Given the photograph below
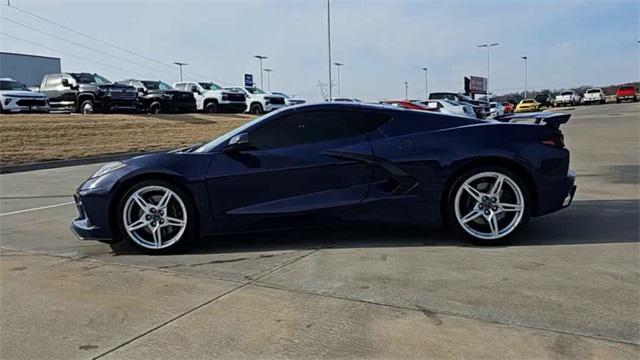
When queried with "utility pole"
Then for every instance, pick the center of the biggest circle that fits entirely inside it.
(339, 82)
(426, 84)
(329, 42)
(406, 90)
(268, 78)
(260, 58)
(488, 46)
(180, 65)
(525, 76)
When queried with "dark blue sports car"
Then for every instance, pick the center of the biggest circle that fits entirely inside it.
(336, 162)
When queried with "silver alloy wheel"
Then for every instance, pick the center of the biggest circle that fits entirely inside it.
(155, 217)
(489, 205)
(87, 108)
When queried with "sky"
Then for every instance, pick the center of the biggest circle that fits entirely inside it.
(382, 43)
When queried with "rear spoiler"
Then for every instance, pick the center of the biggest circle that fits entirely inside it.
(549, 118)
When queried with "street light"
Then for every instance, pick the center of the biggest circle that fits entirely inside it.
(488, 46)
(339, 82)
(426, 87)
(525, 76)
(406, 90)
(268, 78)
(260, 57)
(180, 64)
(329, 42)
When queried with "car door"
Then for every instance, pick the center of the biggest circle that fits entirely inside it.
(302, 167)
(53, 89)
(198, 93)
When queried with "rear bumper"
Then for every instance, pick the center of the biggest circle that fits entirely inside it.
(556, 195)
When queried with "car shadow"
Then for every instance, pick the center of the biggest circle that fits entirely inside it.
(585, 222)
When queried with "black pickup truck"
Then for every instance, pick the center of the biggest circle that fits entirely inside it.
(87, 93)
(157, 97)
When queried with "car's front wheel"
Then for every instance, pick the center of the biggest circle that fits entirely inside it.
(156, 217)
(489, 205)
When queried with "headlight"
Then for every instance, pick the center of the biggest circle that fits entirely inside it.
(107, 168)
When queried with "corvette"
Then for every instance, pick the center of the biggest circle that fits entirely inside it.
(331, 163)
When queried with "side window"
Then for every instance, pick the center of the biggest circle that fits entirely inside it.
(314, 126)
(180, 86)
(53, 80)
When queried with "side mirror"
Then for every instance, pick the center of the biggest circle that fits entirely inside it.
(142, 90)
(238, 142)
(195, 90)
(65, 83)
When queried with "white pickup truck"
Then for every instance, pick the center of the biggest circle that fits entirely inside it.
(258, 100)
(594, 95)
(568, 97)
(212, 98)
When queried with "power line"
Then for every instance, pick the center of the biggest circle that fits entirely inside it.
(82, 46)
(169, 66)
(68, 54)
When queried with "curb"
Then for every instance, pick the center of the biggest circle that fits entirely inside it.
(8, 169)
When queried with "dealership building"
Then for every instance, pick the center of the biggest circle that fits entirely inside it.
(27, 69)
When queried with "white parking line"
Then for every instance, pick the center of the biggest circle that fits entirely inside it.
(38, 208)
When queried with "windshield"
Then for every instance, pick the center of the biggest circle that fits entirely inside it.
(566, 93)
(528, 101)
(254, 90)
(223, 138)
(156, 85)
(626, 88)
(12, 85)
(281, 94)
(210, 86)
(85, 78)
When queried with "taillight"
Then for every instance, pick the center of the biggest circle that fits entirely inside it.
(556, 140)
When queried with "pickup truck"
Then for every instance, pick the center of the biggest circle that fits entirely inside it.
(626, 92)
(87, 93)
(592, 96)
(212, 98)
(258, 100)
(157, 97)
(569, 97)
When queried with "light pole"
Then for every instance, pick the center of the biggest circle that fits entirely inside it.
(488, 46)
(525, 76)
(329, 42)
(426, 84)
(406, 90)
(260, 57)
(339, 82)
(180, 65)
(268, 78)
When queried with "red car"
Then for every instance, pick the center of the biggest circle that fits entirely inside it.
(406, 104)
(508, 107)
(626, 92)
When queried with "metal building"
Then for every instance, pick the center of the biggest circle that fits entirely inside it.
(27, 69)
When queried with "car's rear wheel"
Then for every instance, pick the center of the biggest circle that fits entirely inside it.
(489, 205)
(156, 217)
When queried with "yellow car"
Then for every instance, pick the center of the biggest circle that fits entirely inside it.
(527, 105)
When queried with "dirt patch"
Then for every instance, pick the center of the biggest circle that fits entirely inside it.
(26, 138)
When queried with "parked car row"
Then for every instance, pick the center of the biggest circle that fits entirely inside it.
(87, 93)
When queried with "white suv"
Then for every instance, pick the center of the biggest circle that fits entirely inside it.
(258, 100)
(211, 98)
(15, 97)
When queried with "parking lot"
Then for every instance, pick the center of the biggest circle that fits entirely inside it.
(568, 288)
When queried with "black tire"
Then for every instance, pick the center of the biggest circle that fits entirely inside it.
(256, 109)
(618, 101)
(87, 107)
(452, 220)
(155, 108)
(190, 233)
(211, 107)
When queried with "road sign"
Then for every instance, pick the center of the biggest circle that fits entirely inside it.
(475, 85)
(248, 80)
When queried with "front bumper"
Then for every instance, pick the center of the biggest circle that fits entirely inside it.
(83, 227)
(271, 107)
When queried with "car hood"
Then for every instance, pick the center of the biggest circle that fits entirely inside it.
(22, 93)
